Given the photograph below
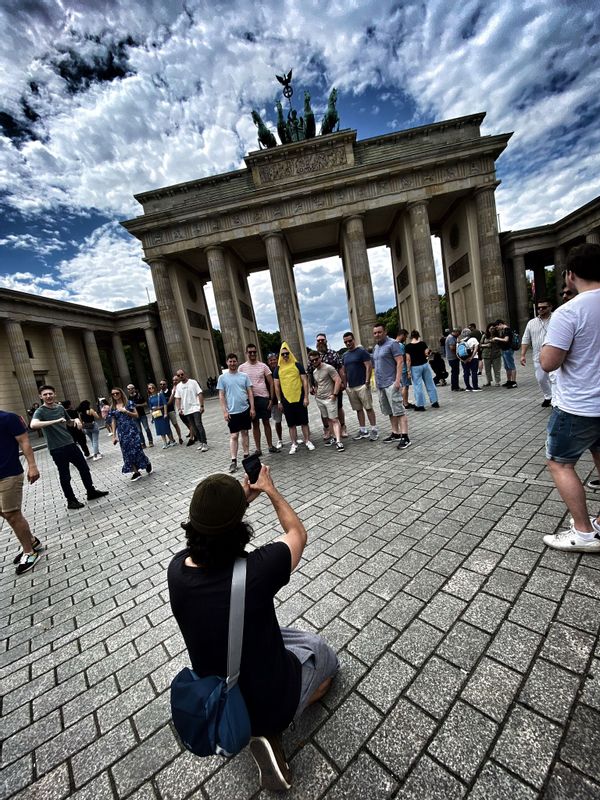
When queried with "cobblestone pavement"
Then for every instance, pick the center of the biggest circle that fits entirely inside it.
(471, 665)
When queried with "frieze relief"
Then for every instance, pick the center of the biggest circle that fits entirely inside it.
(303, 165)
(315, 201)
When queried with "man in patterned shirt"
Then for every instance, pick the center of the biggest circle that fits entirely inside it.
(333, 359)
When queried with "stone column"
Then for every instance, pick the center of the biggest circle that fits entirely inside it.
(169, 317)
(22, 363)
(357, 264)
(139, 366)
(95, 364)
(154, 353)
(593, 237)
(520, 283)
(123, 377)
(539, 279)
(63, 365)
(560, 258)
(284, 293)
(427, 291)
(225, 300)
(490, 258)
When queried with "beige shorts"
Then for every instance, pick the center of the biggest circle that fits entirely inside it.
(360, 398)
(11, 493)
(328, 409)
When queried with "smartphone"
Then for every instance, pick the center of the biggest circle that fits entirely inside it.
(252, 466)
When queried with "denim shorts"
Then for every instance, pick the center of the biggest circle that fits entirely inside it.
(569, 436)
(508, 357)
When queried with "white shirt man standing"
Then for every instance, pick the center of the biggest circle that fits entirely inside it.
(535, 335)
(190, 403)
(572, 348)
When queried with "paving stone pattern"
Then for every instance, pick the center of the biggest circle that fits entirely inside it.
(469, 651)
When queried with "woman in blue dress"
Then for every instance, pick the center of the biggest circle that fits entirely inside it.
(122, 415)
(158, 409)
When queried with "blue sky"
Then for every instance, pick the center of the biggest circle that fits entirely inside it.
(100, 102)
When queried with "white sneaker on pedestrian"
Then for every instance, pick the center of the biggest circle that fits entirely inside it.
(293, 448)
(574, 540)
(374, 435)
(279, 444)
(309, 445)
(204, 447)
(362, 434)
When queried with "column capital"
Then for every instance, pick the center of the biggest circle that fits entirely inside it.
(417, 203)
(487, 187)
(272, 235)
(350, 217)
(156, 261)
(218, 247)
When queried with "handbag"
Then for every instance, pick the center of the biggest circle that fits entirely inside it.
(210, 714)
(157, 413)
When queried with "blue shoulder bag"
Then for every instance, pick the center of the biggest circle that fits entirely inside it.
(210, 714)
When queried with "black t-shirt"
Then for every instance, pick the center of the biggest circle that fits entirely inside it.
(416, 351)
(270, 675)
(505, 345)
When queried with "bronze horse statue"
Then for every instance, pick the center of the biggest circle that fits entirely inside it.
(331, 116)
(265, 137)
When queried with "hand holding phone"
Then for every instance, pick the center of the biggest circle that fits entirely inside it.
(252, 466)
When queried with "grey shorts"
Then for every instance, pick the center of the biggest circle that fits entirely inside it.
(317, 658)
(390, 402)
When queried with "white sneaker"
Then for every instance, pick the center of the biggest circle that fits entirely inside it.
(279, 444)
(204, 447)
(574, 541)
(293, 448)
(374, 435)
(309, 445)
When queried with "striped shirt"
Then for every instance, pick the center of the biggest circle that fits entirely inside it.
(258, 374)
(535, 335)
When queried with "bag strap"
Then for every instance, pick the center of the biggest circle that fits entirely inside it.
(236, 622)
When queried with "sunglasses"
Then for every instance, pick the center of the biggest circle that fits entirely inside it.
(251, 352)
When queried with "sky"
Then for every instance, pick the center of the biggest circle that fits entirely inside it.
(100, 101)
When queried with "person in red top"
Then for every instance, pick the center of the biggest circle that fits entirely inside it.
(13, 434)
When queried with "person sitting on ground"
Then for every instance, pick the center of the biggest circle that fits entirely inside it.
(282, 670)
(438, 365)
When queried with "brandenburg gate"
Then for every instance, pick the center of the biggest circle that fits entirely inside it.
(329, 195)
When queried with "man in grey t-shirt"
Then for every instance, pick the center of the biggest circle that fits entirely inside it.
(52, 419)
(389, 362)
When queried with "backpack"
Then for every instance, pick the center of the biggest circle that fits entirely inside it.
(210, 714)
(516, 341)
(462, 351)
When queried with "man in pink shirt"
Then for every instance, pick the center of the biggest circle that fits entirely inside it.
(262, 387)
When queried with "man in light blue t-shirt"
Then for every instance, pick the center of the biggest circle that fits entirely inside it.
(237, 403)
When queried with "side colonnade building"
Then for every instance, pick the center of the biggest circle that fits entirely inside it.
(77, 349)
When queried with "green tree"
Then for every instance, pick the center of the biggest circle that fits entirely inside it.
(269, 343)
(389, 318)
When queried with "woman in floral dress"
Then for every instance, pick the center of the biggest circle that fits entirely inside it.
(122, 416)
